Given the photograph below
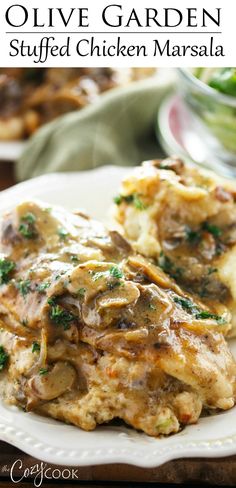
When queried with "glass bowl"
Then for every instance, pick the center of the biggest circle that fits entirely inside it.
(216, 113)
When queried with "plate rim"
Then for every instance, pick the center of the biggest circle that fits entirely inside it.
(218, 448)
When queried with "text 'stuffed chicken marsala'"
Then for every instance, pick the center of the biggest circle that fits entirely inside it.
(92, 331)
(185, 219)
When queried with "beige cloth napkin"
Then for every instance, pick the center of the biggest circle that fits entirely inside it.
(118, 129)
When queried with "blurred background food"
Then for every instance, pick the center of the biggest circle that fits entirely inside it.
(222, 79)
(219, 112)
(31, 97)
(71, 119)
(210, 96)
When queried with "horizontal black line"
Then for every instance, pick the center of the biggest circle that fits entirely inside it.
(117, 33)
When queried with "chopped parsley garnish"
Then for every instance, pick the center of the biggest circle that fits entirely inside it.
(204, 314)
(74, 259)
(35, 347)
(177, 273)
(211, 270)
(43, 286)
(185, 303)
(204, 292)
(27, 226)
(60, 316)
(151, 306)
(43, 371)
(63, 234)
(26, 231)
(212, 229)
(23, 287)
(195, 236)
(81, 292)
(3, 358)
(116, 272)
(123, 198)
(138, 203)
(6, 268)
(29, 217)
(118, 199)
(192, 236)
(134, 198)
(165, 263)
(199, 314)
(219, 248)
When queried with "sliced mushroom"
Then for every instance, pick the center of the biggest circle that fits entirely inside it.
(90, 277)
(175, 164)
(54, 383)
(120, 242)
(222, 194)
(57, 350)
(152, 272)
(119, 297)
(9, 234)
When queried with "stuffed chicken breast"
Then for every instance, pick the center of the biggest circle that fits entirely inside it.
(92, 331)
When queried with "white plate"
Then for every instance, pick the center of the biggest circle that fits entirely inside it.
(55, 442)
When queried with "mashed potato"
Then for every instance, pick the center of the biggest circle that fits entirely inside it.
(185, 219)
